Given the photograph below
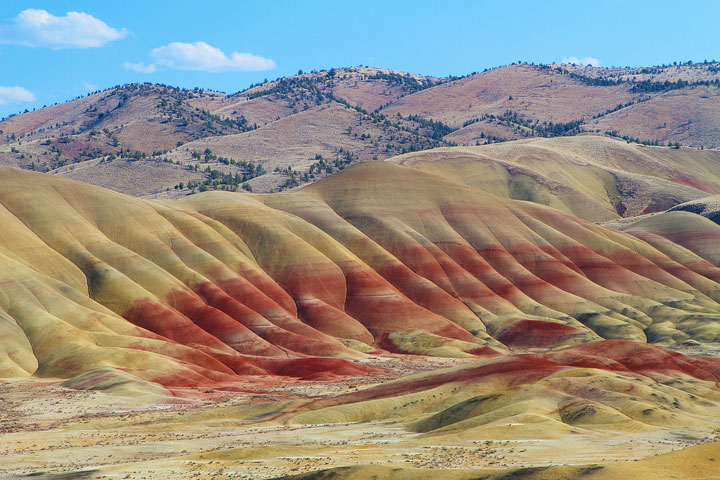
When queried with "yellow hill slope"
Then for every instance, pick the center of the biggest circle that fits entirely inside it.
(595, 178)
(382, 256)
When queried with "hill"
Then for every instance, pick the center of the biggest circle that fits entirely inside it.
(666, 104)
(416, 298)
(377, 257)
(309, 125)
(302, 331)
(594, 178)
(695, 462)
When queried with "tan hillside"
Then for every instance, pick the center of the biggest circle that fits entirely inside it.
(142, 178)
(518, 97)
(689, 117)
(330, 130)
(696, 463)
(595, 178)
(689, 72)
(142, 117)
(369, 88)
(537, 93)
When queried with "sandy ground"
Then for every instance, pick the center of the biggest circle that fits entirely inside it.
(46, 429)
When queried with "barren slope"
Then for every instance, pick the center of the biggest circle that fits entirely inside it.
(686, 116)
(379, 256)
(339, 134)
(555, 328)
(595, 178)
(526, 100)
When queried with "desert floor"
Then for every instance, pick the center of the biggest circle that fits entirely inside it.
(46, 430)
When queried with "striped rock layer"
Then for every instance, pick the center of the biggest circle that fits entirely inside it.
(379, 257)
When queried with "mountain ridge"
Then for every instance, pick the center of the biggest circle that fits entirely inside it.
(363, 114)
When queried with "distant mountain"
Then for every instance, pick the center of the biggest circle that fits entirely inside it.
(150, 140)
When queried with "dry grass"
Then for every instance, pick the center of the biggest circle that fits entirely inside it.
(148, 178)
(672, 73)
(536, 94)
(689, 117)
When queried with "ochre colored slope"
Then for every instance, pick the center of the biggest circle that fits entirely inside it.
(614, 384)
(380, 256)
(533, 92)
(595, 178)
(582, 392)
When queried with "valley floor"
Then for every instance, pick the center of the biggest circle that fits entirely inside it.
(48, 431)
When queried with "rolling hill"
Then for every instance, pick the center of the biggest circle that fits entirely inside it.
(405, 294)
(379, 256)
(559, 334)
(594, 178)
(304, 127)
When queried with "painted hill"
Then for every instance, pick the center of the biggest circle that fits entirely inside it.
(380, 256)
(595, 178)
(301, 128)
(288, 322)
(708, 207)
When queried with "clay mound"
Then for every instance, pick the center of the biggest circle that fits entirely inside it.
(595, 178)
(380, 256)
(538, 334)
(117, 382)
(610, 385)
(695, 232)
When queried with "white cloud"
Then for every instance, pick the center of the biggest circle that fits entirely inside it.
(139, 67)
(15, 95)
(203, 57)
(585, 61)
(91, 87)
(38, 28)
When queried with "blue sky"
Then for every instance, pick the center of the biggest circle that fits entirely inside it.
(48, 55)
